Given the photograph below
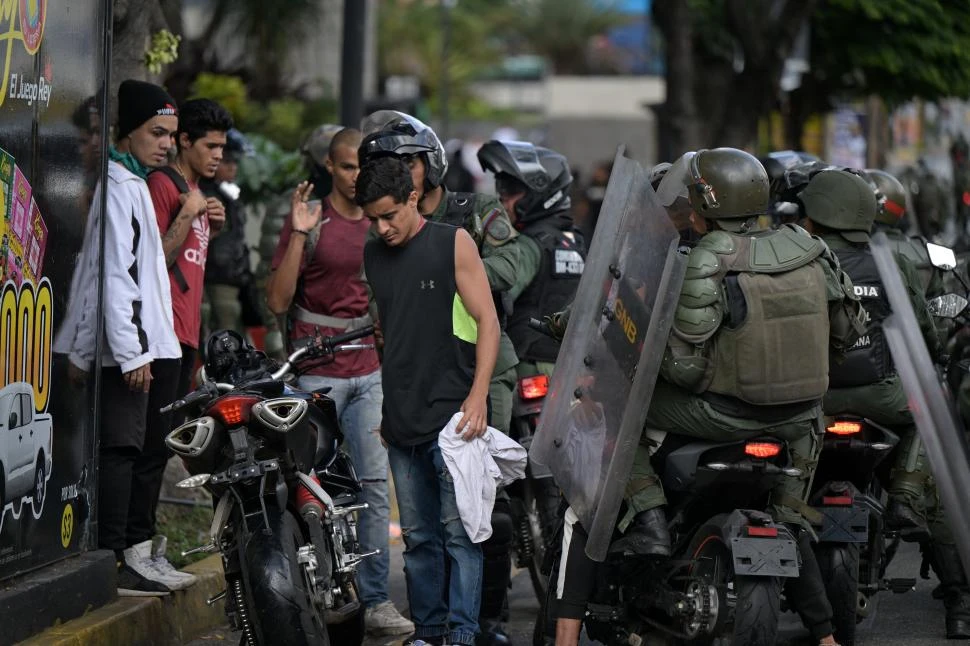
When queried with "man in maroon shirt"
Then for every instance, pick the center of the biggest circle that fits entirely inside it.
(321, 290)
(187, 219)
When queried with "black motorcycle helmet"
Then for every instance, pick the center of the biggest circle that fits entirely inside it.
(542, 174)
(388, 132)
(228, 357)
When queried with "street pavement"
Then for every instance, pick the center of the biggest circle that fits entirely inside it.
(910, 619)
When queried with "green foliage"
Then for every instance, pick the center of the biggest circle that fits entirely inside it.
(186, 527)
(897, 49)
(228, 91)
(164, 49)
(285, 121)
(269, 172)
(411, 41)
(561, 30)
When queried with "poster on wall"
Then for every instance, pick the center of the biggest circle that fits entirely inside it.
(51, 75)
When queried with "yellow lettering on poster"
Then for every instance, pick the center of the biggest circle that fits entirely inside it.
(26, 337)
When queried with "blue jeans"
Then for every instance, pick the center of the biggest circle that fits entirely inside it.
(432, 532)
(359, 401)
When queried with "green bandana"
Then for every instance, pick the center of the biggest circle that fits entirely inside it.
(128, 161)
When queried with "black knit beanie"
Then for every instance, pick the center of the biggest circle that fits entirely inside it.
(138, 102)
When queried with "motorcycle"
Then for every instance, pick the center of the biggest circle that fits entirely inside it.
(284, 493)
(854, 545)
(534, 500)
(728, 563)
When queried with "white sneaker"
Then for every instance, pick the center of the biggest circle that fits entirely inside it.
(384, 619)
(162, 564)
(139, 558)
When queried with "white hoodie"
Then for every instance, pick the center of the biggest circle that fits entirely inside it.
(478, 468)
(138, 325)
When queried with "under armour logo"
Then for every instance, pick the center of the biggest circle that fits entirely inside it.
(427, 284)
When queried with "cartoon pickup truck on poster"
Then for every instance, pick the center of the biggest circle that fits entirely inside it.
(25, 448)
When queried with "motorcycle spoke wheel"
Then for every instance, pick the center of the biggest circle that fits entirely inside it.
(748, 607)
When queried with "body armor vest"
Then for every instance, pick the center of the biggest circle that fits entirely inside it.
(752, 319)
(869, 360)
(560, 269)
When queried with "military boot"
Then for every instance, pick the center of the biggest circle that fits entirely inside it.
(904, 518)
(956, 592)
(647, 535)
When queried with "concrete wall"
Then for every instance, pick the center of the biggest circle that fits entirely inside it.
(586, 141)
(583, 117)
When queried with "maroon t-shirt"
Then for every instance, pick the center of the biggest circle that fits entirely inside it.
(330, 285)
(187, 296)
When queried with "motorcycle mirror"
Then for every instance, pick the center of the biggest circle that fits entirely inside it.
(942, 257)
(192, 482)
(947, 306)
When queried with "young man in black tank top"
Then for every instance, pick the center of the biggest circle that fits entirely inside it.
(441, 337)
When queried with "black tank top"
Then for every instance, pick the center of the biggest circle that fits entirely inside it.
(429, 338)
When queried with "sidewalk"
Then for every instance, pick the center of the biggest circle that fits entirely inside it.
(148, 621)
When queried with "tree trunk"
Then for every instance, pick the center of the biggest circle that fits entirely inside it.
(134, 23)
(709, 102)
(677, 126)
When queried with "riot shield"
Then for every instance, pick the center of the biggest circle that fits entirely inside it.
(939, 428)
(597, 404)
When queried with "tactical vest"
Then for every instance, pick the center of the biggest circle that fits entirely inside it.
(561, 267)
(913, 248)
(869, 360)
(460, 212)
(752, 319)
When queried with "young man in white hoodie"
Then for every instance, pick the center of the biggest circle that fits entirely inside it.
(140, 344)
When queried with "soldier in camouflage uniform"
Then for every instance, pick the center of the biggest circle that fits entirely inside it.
(394, 133)
(838, 208)
(867, 383)
(889, 219)
(778, 293)
(533, 184)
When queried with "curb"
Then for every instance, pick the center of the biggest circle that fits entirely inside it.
(154, 621)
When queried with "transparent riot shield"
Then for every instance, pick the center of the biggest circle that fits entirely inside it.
(939, 428)
(593, 417)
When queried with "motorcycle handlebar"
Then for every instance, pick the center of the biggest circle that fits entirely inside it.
(327, 345)
(205, 391)
(353, 335)
(543, 327)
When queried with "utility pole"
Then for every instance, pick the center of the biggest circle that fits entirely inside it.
(352, 63)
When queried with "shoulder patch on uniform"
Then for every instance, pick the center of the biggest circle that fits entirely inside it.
(495, 226)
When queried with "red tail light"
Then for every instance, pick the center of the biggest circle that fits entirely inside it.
(764, 532)
(837, 501)
(845, 428)
(233, 410)
(762, 449)
(534, 387)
